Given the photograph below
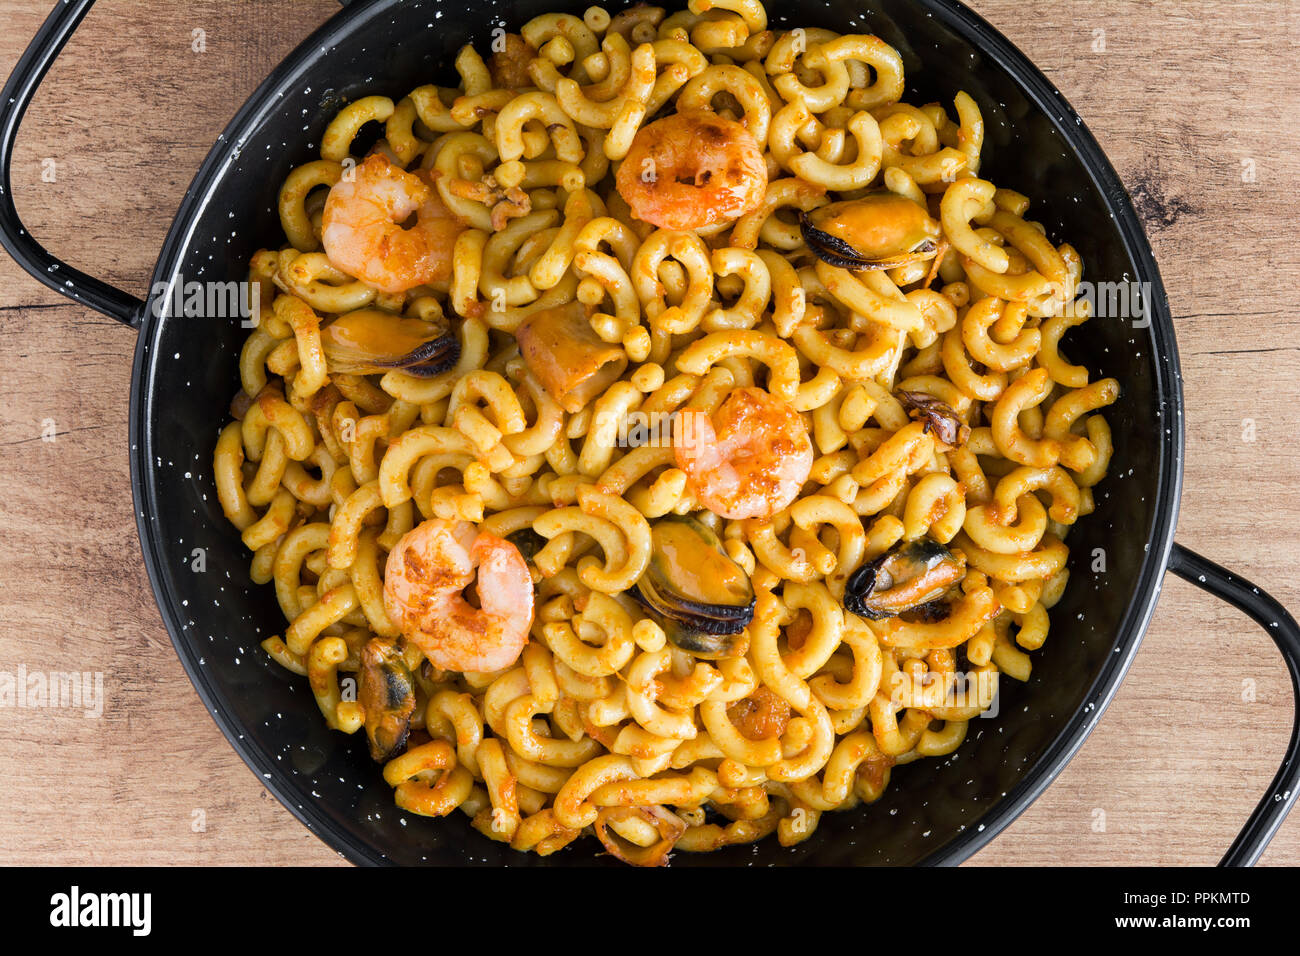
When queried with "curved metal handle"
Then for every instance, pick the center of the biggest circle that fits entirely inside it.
(26, 251)
(1281, 626)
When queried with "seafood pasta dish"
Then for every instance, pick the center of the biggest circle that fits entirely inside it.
(662, 435)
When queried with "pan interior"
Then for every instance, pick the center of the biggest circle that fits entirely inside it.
(934, 809)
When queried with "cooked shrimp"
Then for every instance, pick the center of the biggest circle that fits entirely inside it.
(692, 169)
(424, 581)
(749, 460)
(363, 230)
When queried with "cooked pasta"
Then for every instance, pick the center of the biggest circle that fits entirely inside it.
(662, 434)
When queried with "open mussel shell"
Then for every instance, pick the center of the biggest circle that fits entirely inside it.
(911, 576)
(371, 342)
(700, 597)
(881, 230)
(386, 692)
(939, 417)
(710, 640)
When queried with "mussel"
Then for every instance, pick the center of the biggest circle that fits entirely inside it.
(939, 417)
(370, 342)
(700, 597)
(573, 364)
(881, 230)
(386, 691)
(910, 577)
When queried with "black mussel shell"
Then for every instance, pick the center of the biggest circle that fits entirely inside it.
(371, 342)
(837, 252)
(705, 623)
(939, 417)
(901, 564)
(703, 637)
(386, 692)
(432, 358)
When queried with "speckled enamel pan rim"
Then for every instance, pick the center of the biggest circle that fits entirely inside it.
(300, 66)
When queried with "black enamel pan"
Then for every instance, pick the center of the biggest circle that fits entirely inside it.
(935, 812)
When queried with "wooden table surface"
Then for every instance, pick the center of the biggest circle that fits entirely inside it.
(1194, 103)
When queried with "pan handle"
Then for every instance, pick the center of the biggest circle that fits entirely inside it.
(1281, 626)
(26, 251)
